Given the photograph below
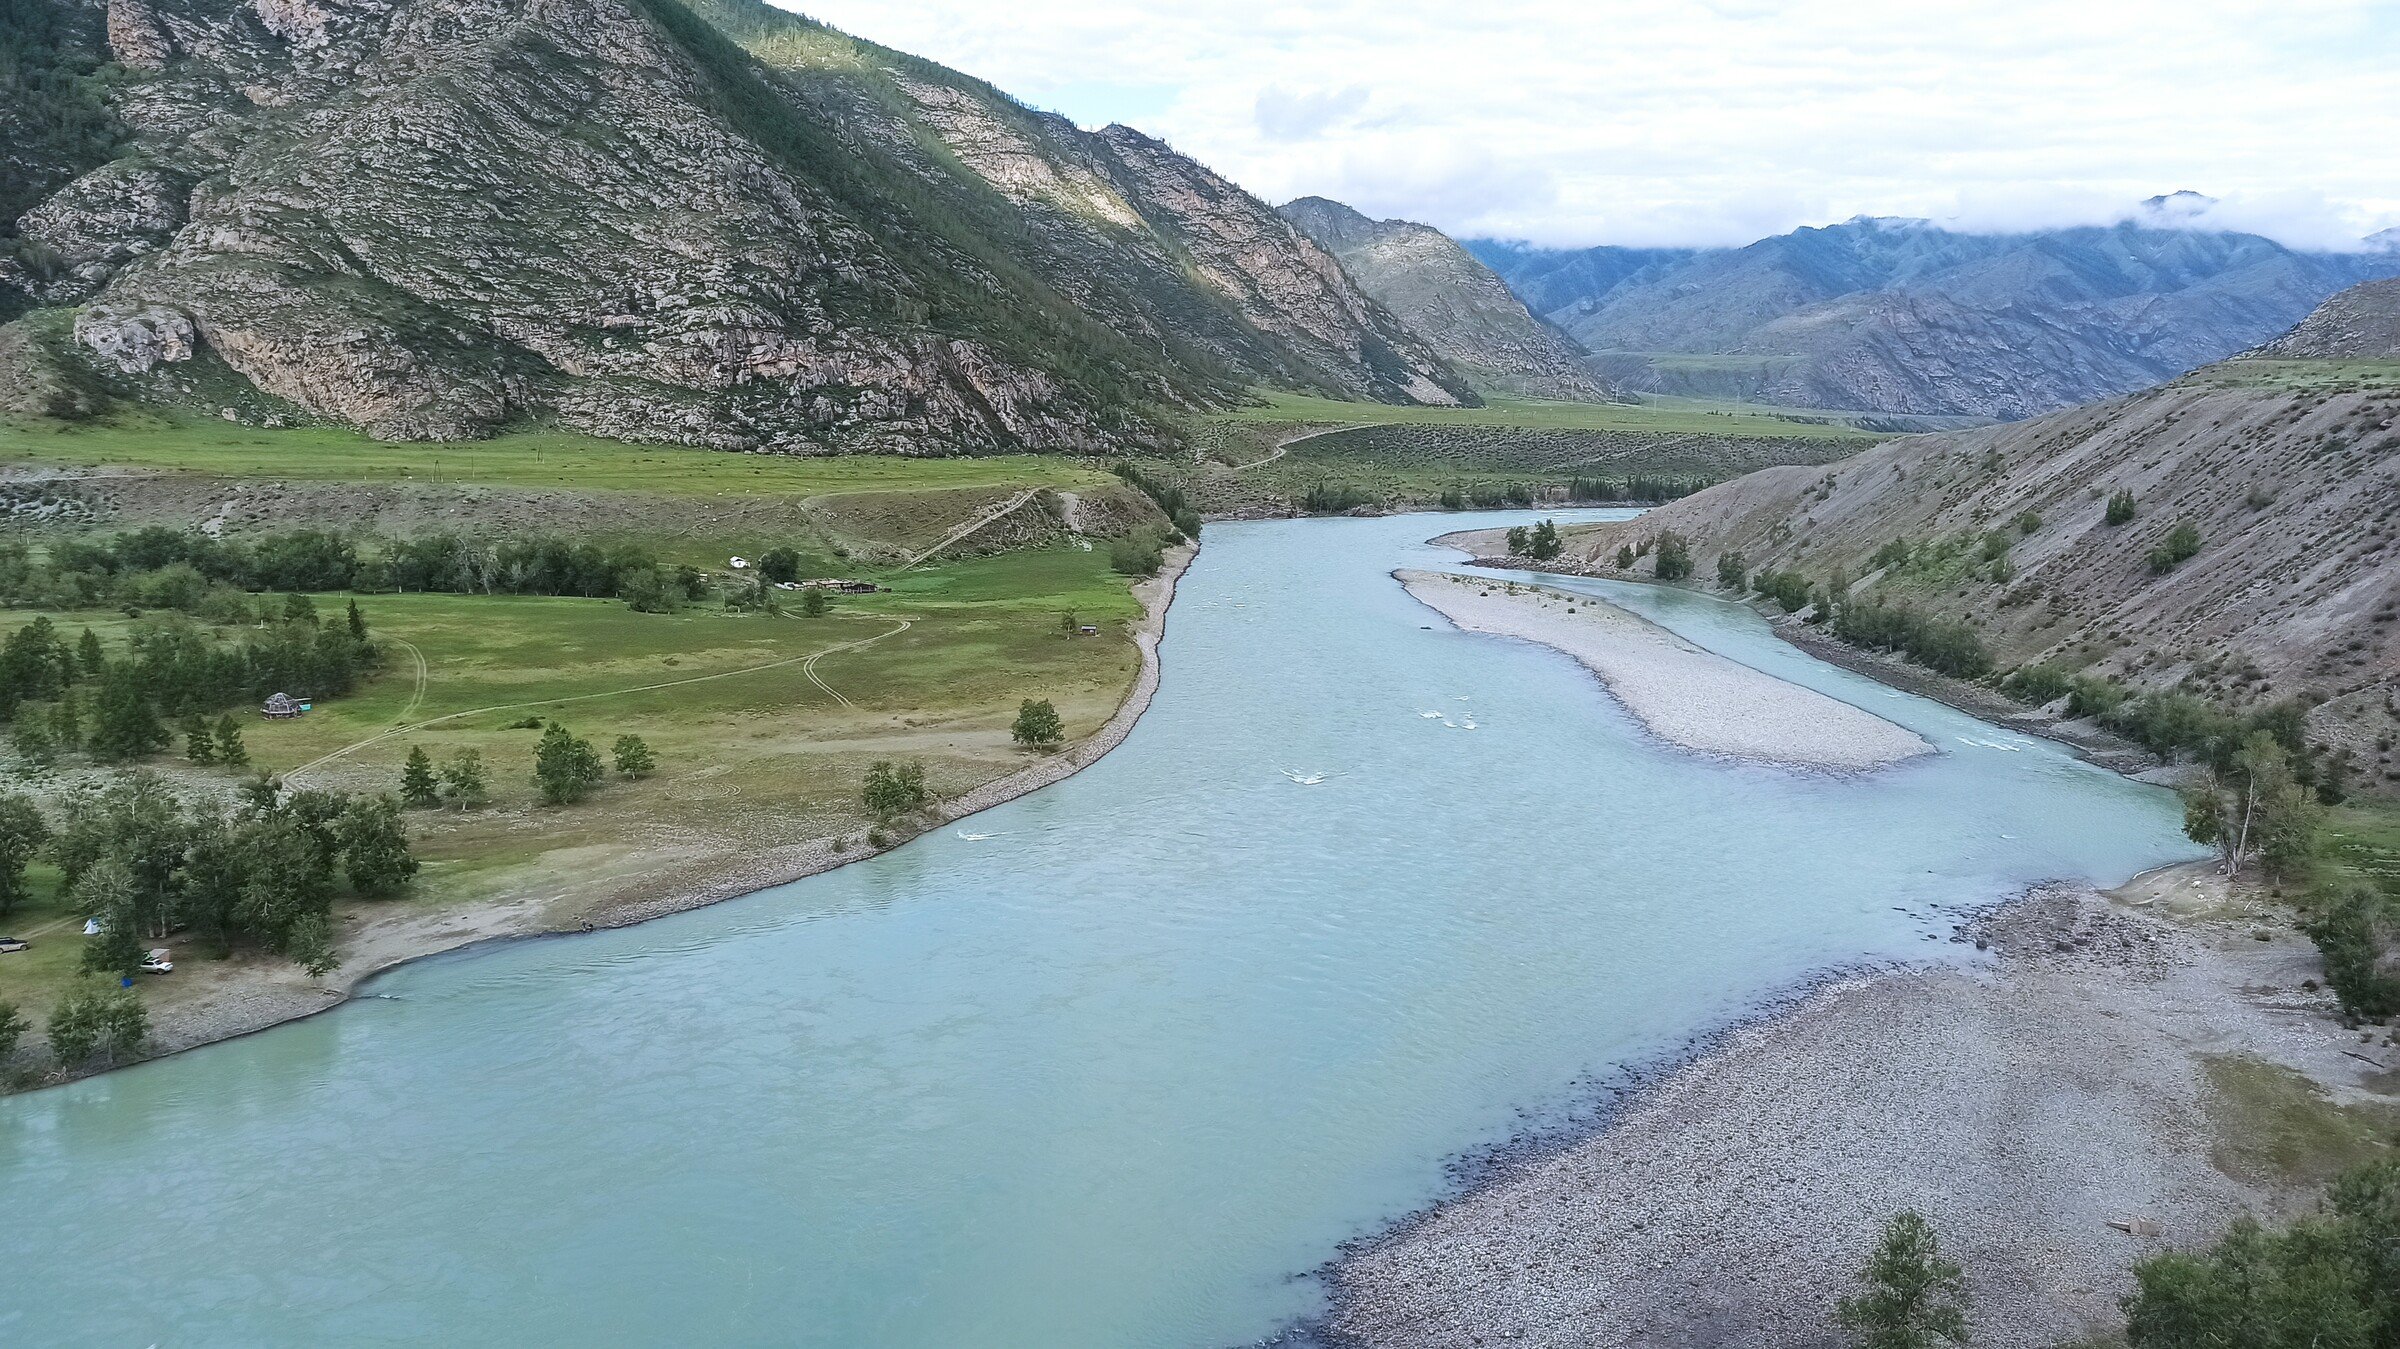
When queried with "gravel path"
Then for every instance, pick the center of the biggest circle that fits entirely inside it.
(2022, 1105)
(1683, 694)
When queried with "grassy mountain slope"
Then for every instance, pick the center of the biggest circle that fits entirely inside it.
(1905, 317)
(2289, 477)
(435, 218)
(1463, 310)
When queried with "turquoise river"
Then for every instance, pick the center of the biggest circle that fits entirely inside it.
(1120, 1070)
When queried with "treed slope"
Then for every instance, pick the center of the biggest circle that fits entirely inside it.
(1906, 317)
(56, 124)
(1460, 307)
(432, 218)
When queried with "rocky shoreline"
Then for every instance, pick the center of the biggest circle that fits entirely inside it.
(2033, 1104)
(258, 993)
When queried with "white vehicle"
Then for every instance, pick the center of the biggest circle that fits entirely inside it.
(157, 962)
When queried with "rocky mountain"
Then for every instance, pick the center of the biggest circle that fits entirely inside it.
(433, 218)
(2361, 324)
(2289, 479)
(1906, 317)
(1459, 306)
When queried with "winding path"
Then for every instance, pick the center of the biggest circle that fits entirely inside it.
(807, 662)
(972, 525)
(1284, 445)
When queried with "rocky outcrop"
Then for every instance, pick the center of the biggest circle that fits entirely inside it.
(2360, 324)
(431, 218)
(1458, 306)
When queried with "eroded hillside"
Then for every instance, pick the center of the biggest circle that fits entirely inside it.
(2235, 533)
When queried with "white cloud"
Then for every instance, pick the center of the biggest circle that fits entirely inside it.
(1605, 121)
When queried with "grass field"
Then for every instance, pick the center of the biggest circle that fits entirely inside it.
(757, 744)
(1684, 417)
(539, 459)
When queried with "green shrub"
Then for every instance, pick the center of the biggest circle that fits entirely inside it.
(2120, 508)
(1789, 589)
(2181, 542)
(2352, 934)
(1949, 647)
(1674, 561)
(2037, 684)
(1135, 555)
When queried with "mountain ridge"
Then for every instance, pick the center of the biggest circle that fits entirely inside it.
(1441, 291)
(1912, 317)
(435, 218)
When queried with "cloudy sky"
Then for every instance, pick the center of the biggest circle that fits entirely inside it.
(1596, 121)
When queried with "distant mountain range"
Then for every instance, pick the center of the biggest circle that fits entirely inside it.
(1902, 316)
(722, 224)
(1460, 307)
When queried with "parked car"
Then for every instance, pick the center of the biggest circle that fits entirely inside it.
(157, 962)
(8, 944)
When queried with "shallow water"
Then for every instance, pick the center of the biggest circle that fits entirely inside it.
(1119, 1075)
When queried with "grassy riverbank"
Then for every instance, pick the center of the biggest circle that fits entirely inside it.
(763, 720)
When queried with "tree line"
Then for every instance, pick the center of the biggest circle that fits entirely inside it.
(2330, 1280)
(161, 568)
(60, 697)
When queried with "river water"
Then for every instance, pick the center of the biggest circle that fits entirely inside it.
(1120, 1074)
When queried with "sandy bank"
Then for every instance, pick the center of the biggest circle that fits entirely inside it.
(2023, 1107)
(253, 993)
(1683, 694)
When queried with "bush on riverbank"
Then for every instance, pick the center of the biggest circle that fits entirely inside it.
(1942, 645)
(2328, 1279)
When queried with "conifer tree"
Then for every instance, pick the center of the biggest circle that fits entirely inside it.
(231, 752)
(463, 779)
(124, 726)
(417, 787)
(199, 745)
(88, 655)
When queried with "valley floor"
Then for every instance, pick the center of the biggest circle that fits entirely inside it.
(687, 841)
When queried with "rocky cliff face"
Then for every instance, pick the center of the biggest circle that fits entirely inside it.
(1905, 317)
(430, 218)
(2291, 478)
(1461, 308)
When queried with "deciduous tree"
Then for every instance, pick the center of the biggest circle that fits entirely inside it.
(632, 758)
(1915, 1299)
(22, 834)
(1037, 724)
(565, 767)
